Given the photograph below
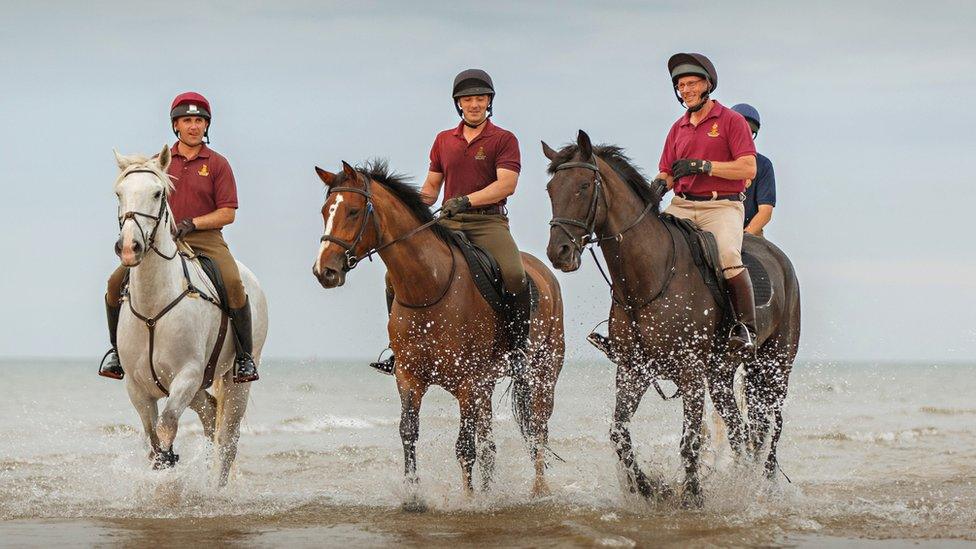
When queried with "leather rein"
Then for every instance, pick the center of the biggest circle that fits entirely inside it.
(162, 218)
(351, 259)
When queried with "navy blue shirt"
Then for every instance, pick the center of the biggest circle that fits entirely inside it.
(762, 190)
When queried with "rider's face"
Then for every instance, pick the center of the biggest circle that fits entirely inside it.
(191, 129)
(691, 89)
(474, 108)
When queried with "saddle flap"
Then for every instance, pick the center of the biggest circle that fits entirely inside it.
(209, 267)
(487, 275)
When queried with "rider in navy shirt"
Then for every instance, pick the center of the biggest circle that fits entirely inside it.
(761, 192)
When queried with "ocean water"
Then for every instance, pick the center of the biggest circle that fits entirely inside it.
(875, 453)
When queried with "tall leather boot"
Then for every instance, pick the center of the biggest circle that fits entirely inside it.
(742, 338)
(386, 366)
(110, 366)
(520, 313)
(244, 368)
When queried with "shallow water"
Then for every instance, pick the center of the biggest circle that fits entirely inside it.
(874, 452)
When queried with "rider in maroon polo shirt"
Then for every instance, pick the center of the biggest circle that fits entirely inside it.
(708, 156)
(204, 201)
(477, 164)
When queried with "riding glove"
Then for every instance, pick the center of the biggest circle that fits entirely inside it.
(659, 186)
(184, 228)
(690, 166)
(455, 206)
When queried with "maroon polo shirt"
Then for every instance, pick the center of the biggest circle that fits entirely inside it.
(470, 167)
(201, 185)
(723, 136)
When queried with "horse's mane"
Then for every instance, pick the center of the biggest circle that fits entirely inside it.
(621, 163)
(397, 184)
(142, 162)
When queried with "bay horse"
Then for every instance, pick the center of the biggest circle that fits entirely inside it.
(664, 321)
(170, 325)
(442, 331)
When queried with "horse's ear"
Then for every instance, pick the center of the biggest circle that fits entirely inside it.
(122, 160)
(585, 146)
(164, 158)
(349, 170)
(327, 177)
(548, 151)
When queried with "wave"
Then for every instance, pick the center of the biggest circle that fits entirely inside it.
(882, 437)
(947, 411)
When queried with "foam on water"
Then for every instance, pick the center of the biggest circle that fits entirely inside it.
(875, 451)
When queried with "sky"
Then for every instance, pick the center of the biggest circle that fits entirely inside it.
(864, 108)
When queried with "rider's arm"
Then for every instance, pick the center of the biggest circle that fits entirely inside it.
(432, 187)
(743, 167)
(501, 188)
(215, 219)
(760, 220)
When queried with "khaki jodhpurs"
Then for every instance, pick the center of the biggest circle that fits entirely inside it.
(209, 243)
(724, 219)
(491, 232)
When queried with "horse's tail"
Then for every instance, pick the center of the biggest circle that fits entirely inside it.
(521, 389)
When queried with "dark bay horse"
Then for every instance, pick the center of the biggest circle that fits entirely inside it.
(442, 331)
(664, 321)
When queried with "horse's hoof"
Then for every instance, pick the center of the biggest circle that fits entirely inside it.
(165, 459)
(692, 497)
(541, 490)
(415, 505)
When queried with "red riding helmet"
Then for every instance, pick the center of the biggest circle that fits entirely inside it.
(191, 104)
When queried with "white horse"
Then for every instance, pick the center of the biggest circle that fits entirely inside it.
(186, 334)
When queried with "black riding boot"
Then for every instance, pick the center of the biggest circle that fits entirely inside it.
(386, 366)
(244, 368)
(110, 366)
(519, 317)
(743, 335)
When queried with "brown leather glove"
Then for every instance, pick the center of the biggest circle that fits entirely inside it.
(183, 228)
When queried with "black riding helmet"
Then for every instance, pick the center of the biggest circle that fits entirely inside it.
(473, 82)
(687, 64)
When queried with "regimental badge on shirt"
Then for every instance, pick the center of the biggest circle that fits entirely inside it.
(481, 154)
(714, 131)
(204, 171)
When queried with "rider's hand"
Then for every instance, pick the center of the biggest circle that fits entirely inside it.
(659, 186)
(184, 228)
(455, 206)
(690, 166)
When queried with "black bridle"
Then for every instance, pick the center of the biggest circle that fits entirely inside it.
(351, 259)
(588, 225)
(161, 218)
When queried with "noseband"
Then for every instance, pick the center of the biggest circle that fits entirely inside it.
(351, 259)
(161, 217)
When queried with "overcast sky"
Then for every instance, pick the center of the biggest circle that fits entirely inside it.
(865, 116)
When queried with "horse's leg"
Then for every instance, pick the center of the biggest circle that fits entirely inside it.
(205, 405)
(184, 387)
(545, 366)
(464, 447)
(411, 394)
(149, 414)
(631, 387)
(485, 441)
(720, 386)
(693, 401)
(233, 404)
(758, 427)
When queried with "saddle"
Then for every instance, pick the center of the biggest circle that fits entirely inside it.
(487, 275)
(704, 250)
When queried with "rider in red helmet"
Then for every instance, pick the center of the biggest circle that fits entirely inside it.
(708, 156)
(203, 202)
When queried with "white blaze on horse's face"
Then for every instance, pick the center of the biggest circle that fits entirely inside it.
(137, 192)
(328, 232)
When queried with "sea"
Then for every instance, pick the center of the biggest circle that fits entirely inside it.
(872, 455)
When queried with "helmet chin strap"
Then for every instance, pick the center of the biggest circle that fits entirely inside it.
(698, 107)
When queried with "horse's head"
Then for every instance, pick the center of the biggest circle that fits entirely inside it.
(348, 215)
(577, 207)
(142, 187)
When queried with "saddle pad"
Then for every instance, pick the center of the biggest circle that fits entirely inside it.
(209, 267)
(762, 287)
(487, 275)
